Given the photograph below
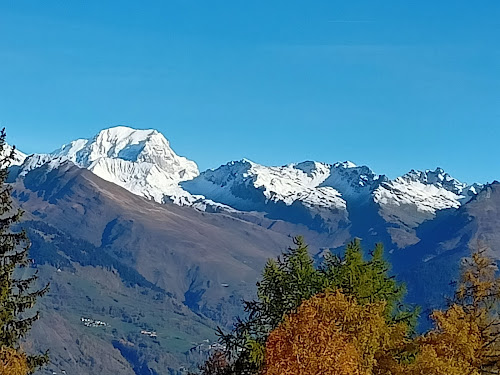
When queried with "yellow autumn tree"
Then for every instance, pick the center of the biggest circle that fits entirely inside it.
(332, 334)
(452, 348)
(12, 362)
(466, 337)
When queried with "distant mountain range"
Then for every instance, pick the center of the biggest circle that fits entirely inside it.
(120, 222)
(315, 194)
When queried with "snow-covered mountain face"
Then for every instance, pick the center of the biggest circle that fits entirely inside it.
(290, 193)
(354, 182)
(315, 194)
(409, 200)
(146, 147)
(429, 191)
(242, 184)
(19, 157)
(245, 185)
(321, 189)
(140, 161)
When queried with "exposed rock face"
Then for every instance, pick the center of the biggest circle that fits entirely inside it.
(408, 201)
(430, 266)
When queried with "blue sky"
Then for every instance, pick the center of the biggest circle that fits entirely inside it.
(392, 84)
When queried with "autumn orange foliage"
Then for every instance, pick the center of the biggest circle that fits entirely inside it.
(452, 348)
(12, 362)
(466, 337)
(332, 334)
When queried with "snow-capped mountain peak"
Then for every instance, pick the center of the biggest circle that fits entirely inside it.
(428, 191)
(141, 161)
(354, 182)
(436, 177)
(245, 185)
(132, 145)
(19, 157)
(346, 164)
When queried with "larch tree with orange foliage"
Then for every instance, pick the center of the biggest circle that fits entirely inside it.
(466, 337)
(332, 334)
(12, 362)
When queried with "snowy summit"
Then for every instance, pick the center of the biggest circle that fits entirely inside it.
(140, 161)
(143, 162)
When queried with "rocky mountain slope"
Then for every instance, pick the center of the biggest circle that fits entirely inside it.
(131, 234)
(431, 264)
(109, 253)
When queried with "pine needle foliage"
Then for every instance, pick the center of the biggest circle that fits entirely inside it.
(17, 294)
(369, 281)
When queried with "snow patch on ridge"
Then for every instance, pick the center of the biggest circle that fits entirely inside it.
(37, 160)
(352, 181)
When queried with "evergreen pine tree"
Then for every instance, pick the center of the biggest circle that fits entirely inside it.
(17, 294)
(369, 281)
(288, 281)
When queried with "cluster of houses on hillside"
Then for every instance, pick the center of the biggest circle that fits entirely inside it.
(92, 322)
(87, 322)
(148, 333)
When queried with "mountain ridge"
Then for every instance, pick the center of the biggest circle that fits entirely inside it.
(321, 196)
(143, 162)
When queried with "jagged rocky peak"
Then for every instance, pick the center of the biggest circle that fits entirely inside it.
(244, 183)
(436, 177)
(228, 172)
(270, 178)
(353, 181)
(316, 171)
(310, 182)
(442, 179)
(429, 191)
